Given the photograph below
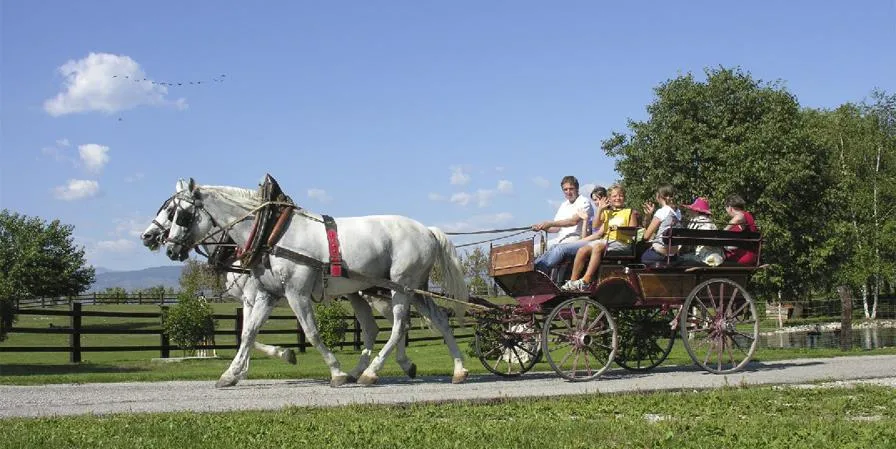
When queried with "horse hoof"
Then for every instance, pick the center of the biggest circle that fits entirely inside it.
(290, 356)
(367, 379)
(412, 371)
(224, 383)
(338, 381)
(459, 378)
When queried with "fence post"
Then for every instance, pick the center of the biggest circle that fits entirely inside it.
(301, 337)
(356, 333)
(165, 343)
(74, 338)
(238, 327)
(845, 317)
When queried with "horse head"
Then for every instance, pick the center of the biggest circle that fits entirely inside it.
(188, 225)
(157, 231)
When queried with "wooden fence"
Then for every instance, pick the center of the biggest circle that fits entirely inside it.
(95, 299)
(75, 330)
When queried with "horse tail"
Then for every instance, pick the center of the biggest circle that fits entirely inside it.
(453, 281)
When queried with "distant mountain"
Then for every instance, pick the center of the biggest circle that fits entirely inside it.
(169, 276)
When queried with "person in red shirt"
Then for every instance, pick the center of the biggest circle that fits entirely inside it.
(741, 221)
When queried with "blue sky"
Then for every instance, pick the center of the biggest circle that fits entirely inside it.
(463, 114)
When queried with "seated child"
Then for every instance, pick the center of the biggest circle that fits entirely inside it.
(701, 218)
(666, 217)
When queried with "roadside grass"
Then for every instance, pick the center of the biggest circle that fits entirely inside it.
(767, 417)
(431, 358)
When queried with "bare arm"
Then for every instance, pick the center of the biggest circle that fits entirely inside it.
(737, 219)
(555, 225)
(651, 229)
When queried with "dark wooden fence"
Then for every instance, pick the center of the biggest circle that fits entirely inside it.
(97, 298)
(75, 330)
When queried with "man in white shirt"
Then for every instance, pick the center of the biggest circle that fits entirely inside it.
(567, 224)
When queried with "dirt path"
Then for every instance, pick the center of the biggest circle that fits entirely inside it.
(201, 396)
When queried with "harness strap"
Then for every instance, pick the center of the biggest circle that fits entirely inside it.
(333, 246)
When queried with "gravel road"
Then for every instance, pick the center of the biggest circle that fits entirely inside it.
(201, 396)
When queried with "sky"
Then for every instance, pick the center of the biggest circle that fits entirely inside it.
(463, 115)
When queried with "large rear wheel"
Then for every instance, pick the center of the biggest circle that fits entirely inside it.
(645, 338)
(720, 326)
(579, 339)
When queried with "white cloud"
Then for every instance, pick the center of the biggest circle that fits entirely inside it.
(77, 189)
(499, 169)
(478, 222)
(541, 182)
(484, 196)
(435, 197)
(319, 194)
(134, 178)
(115, 246)
(462, 198)
(458, 177)
(58, 150)
(107, 83)
(94, 156)
(505, 186)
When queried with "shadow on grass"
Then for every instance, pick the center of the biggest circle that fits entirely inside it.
(42, 369)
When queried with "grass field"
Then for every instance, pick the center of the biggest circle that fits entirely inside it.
(767, 417)
(432, 358)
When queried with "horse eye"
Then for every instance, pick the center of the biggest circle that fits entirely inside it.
(182, 220)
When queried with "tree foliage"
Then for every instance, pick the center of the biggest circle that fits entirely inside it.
(331, 325)
(475, 265)
(37, 259)
(734, 134)
(189, 322)
(199, 276)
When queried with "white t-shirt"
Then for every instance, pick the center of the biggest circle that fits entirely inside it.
(669, 218)
(567, 210)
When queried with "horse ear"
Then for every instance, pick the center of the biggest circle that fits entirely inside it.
(192, 184)
(181, 185)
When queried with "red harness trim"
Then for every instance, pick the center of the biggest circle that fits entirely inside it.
(335, 258)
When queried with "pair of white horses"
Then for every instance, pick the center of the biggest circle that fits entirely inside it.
(392, 248)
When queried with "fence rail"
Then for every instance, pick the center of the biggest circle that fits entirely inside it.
(76, 329)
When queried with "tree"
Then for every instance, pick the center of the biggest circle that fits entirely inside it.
(861, 143)
(475, 265)
(37, 259)
(199, 276)
(734, 134)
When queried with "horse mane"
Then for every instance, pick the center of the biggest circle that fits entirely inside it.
(247, 198)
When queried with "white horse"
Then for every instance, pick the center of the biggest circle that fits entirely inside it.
(246, 287)
(389, 248)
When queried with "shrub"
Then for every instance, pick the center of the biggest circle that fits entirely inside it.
(189, 322)
(331, 325)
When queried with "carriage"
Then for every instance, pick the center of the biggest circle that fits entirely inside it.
(631, 316)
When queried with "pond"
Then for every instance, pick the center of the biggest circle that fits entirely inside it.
(869, 338)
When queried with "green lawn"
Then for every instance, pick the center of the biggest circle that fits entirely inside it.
(766, 417)
(432, 358)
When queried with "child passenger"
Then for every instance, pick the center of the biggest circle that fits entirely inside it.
(666, 217)
(701, 218)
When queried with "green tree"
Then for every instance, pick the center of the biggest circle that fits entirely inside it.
(861, 142)
(734, 134)
(112, 294)
(37, 259)
(475, 265)
(200, 276)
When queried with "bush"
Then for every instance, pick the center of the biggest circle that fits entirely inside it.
(189, 322)
(331, 325)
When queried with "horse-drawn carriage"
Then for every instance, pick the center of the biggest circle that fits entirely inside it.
(631, 315)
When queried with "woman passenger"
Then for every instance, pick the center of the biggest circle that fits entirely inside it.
(741, 221)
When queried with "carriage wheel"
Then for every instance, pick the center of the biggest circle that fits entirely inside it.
(505, 348)
(645, 338)
(579, 339)
(719, 326)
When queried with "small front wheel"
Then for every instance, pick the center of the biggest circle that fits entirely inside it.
(507, 347)
(579, 339)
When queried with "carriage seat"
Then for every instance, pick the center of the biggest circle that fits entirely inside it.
(748, 240)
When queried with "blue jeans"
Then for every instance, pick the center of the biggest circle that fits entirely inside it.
(651, 256)
(557, 254)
